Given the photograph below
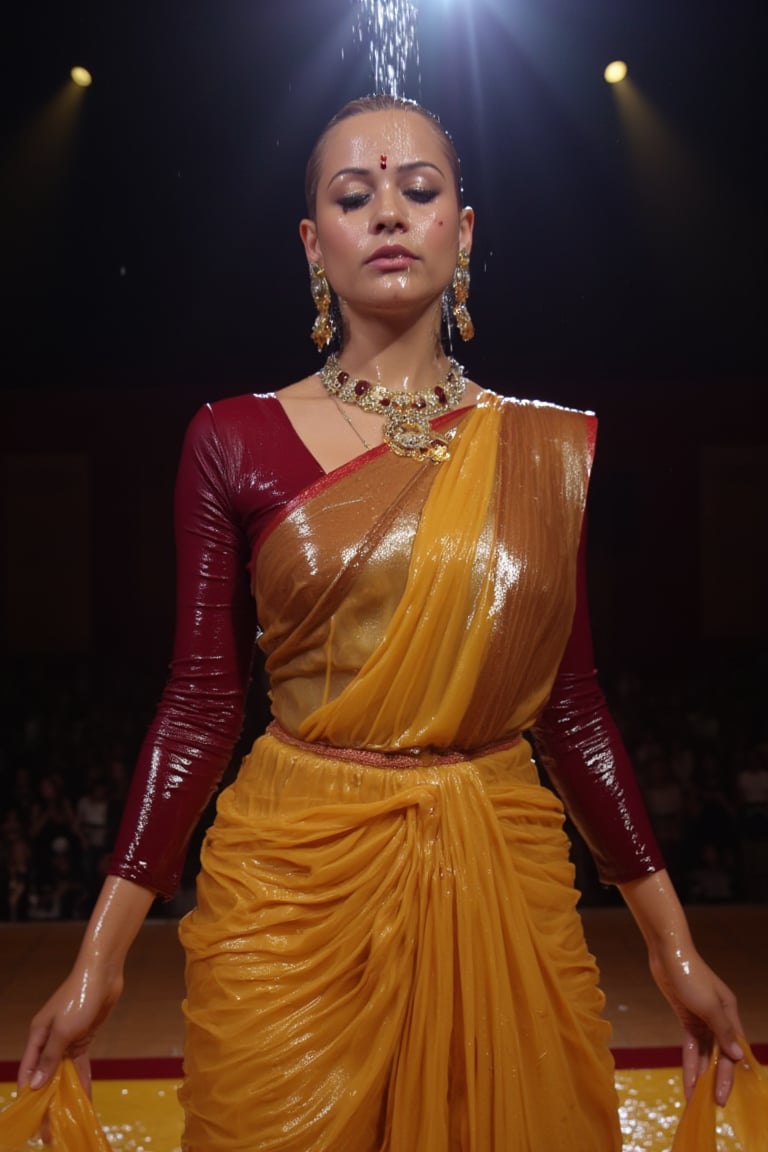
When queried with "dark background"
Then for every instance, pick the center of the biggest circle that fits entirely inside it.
(150, 262)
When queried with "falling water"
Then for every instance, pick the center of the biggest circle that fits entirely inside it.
(388, 28)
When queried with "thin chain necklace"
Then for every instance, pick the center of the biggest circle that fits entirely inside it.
(406, 415)
(356, 431)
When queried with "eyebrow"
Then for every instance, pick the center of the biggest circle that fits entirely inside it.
(400, 168)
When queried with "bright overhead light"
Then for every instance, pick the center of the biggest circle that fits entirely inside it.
(81, 77)
(615, 72)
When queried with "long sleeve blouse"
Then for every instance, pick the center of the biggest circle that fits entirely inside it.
(240, 463)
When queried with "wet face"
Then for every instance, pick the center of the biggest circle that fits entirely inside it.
(388, 225)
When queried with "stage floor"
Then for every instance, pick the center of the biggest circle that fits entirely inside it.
(144, 1115)
(141, 1043)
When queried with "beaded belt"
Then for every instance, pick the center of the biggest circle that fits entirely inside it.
(415, 758)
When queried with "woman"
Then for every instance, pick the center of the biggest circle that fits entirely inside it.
(385, 952)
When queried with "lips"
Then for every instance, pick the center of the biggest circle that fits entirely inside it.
(390, 254)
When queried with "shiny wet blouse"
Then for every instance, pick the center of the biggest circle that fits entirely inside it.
(242, 462)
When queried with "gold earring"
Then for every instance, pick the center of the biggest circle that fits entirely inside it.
(460, 287)
(323, 329)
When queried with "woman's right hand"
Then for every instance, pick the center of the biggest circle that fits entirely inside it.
(66, 1023)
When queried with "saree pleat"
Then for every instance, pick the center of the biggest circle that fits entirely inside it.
(389, 959)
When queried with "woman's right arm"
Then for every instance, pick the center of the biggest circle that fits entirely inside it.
(190, 741)
(186, 750)
(66, 1023)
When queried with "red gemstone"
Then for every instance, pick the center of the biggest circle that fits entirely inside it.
(342, 378)
(420, 403)
(385, 401)
(362, 387)
(440, 393)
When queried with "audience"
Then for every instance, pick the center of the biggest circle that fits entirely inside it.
(65, 770)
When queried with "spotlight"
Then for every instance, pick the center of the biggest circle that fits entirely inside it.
(615, 72)
(81, 77)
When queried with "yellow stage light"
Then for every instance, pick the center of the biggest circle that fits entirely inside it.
(81, 77)
(615, 72)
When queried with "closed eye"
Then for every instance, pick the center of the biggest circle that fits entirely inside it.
(352, 200)
(421, 195)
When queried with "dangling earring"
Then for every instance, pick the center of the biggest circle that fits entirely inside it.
(460, 289)
(323, 329)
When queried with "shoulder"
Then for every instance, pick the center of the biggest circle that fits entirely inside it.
(229, 428)
(513, 404)
(250, 415)
(223, 419)
(543, 418)
(227, 436)
(308, 388)
(244, 450)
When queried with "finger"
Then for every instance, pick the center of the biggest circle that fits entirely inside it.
(727, 1028)
(694, 1063)
(729, 1037)
(730, 1046)
(723, 1079)
(49, 1059)
(38, 1038)
(83, 1065)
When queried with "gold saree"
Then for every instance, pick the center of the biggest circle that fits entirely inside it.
(386, 955)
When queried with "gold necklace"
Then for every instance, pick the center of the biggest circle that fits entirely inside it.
(406, 414)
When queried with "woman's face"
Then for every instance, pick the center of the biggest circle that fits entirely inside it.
(388, 225)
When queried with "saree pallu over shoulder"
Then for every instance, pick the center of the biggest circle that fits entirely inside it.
(438, 608)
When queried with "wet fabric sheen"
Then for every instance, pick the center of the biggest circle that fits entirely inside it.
(380, 636)
(74, 1126)
(389, 959)
(243, 472)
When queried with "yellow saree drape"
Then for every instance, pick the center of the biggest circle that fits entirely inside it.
(386, 954)
(73, 1124)
(744, 1118)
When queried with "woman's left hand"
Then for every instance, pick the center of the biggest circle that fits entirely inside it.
(705, 1006)
(707, 1010)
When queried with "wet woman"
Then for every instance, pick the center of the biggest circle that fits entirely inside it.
(385, 952)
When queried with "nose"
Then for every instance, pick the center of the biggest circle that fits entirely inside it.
(390, 214)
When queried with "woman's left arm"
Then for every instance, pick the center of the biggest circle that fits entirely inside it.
(705, 1005)
(585, 756)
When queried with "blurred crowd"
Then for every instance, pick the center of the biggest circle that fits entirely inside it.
(67, 753)
(701, 759)
(65, 767)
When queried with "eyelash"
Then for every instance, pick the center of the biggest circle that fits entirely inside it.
(354, 200)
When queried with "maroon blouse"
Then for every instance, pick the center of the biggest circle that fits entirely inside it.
(241, 462)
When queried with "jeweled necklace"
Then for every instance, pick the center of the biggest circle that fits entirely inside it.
(406, 414)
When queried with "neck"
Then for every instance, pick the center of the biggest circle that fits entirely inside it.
(399, 357)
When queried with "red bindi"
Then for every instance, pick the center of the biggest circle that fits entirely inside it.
(382, 162)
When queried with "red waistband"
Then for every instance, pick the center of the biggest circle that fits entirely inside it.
(412, 758)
